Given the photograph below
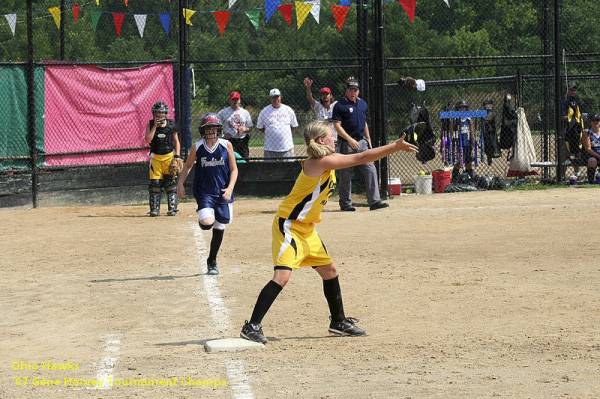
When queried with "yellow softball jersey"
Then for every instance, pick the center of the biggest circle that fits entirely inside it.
(308, 197)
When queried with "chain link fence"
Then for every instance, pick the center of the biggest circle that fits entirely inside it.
(79, 80)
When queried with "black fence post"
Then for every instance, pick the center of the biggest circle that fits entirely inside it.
(560, 135)
(546, 90)
(182, 74)
(378, 133)
(62, 29)
(31, 106)
(362, 33)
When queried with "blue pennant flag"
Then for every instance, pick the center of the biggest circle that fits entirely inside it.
(345, 3)
(271, 7)
(165, 20)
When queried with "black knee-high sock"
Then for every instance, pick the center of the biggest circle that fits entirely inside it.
(333, 294)
(591, 172)
(265, 299)
(215, 244)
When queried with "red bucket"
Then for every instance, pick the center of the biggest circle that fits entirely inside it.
(441, 178)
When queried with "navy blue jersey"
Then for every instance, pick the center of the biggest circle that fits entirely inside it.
(212, 170)
(594, 142)
(463, 125)
(353, 116)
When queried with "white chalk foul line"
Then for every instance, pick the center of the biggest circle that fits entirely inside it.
(106, 366)
(236, 372)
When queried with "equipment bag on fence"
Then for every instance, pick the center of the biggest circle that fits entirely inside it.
(419, 114)
(508, 129)
(573, 129)
(490, 143)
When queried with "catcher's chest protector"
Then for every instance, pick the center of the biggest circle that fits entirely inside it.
(162, 143)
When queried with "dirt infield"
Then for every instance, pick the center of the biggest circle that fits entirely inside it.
(471, 295)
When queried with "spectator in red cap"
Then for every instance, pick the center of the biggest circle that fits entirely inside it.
(237, 124)
(324, 107)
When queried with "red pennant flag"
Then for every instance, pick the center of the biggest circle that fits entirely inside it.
(118, 18)
(75, 11)
(286, 11)
(340, 13)
(409, 8)
(126, 3)
(222, 17)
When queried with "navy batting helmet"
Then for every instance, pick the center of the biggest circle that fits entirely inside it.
(461, 103)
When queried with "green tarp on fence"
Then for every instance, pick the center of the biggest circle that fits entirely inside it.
(13, 116)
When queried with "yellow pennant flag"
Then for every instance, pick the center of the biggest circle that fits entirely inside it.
(97, 2)
(55, 11)
(302, 11)
(187, 14)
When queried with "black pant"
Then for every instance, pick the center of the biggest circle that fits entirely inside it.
(241, 146)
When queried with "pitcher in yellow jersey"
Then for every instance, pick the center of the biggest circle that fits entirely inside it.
(296, 243)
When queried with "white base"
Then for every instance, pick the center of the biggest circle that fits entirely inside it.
(231, 345)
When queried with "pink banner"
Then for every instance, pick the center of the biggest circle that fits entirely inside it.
(95, 109)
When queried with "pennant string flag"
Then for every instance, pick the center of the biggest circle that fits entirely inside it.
(118, 19)
(271, 7)
(340, 13)
(95, 16)
(97, 2)
(302, 11)
(187, 14)
(254, 17)
(409, 8)
(286, 11)
(12, 21)
(140, 21)
(316, 9)
(75, 11)
(447, 3)
(126, 3)
(165, 20)
(231, 3)
(345, 2)
(55, 11)
(221, 18)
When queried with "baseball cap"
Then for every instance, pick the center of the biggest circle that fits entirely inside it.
(572, 85)
(274, 93)
(325, 90)
(234, 94)
(353, 84)
(595, 117)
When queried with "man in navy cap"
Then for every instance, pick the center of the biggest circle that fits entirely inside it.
(350, 122)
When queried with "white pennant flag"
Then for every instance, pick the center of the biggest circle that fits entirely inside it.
(447, 3)
(316, 9)
(12, 21)
(140, 21)
(231, 3)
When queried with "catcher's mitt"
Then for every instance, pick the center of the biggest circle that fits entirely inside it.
(176, 166)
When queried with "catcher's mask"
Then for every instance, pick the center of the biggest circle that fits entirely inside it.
(158, 108)
(461, 103)
(210, 119)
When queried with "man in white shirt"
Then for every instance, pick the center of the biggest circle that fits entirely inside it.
(237, 124)
(324, 107)
(277, 121)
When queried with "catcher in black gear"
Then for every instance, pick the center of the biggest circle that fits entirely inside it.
(161, 134)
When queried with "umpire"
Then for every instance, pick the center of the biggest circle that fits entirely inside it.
(350, 122)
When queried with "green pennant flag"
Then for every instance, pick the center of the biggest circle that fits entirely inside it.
(254, 17)
(95, 15)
